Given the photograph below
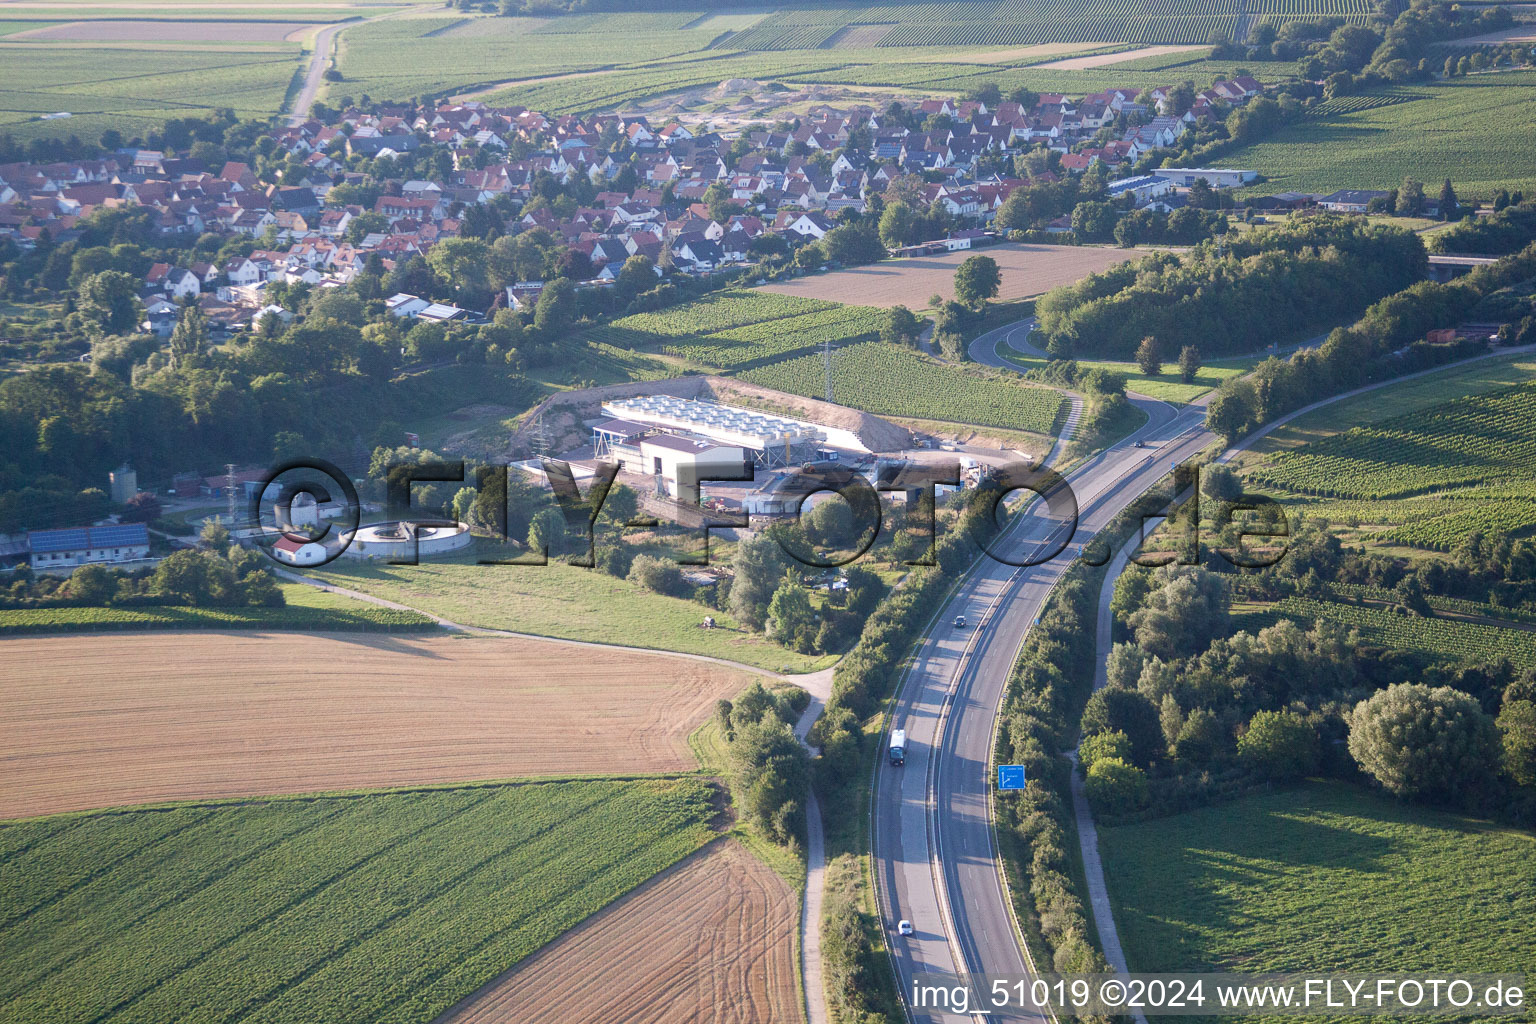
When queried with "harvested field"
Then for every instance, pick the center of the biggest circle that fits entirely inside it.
(171, 31)
(1027, 270)
(1017, 53)
(1099, 60)
(708, 941)
(104, 721)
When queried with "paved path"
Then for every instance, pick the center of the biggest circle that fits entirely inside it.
(815, 883)
(315, 74)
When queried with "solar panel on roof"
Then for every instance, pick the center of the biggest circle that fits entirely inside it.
(57, 540)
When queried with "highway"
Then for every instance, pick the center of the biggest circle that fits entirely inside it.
(935, 862)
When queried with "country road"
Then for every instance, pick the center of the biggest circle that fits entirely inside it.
(315, 74)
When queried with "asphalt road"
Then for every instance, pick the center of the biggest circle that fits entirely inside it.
(935, 862)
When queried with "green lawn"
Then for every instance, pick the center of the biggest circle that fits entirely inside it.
(1324, 877)
(1473, 130)
(308, 609)
(561, 601)
(384, 907)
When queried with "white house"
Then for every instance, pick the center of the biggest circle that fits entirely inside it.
(402, 304)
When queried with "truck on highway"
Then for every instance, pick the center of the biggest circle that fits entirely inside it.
(899, 747)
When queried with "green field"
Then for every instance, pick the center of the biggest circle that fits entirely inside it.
(891, 381)
(562, 601)
(382, 907)
(308, 609)
(1400, 399)
(1476, 456)
(1470, 130)
(135, 90)
(739, 328)
(1325, 877)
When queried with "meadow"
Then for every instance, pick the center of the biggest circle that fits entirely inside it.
(892, 381)
(385, 907)
(563, 601)
(307, 609)
(1168, 385)
(1324, 875)
(1467, 129)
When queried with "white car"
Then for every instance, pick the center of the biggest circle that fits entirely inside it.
(904, 927)
(959, 621)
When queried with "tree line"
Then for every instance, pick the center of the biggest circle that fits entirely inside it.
(1226, 297)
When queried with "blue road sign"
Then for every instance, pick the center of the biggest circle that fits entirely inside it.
(1010, 776)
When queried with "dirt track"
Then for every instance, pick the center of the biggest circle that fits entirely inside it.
(108, 720)
(1027, 270)
(707, 942)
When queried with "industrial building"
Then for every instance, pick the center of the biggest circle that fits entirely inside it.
(677, 460)
(1216, 177)
(771, 441)
(125, 542)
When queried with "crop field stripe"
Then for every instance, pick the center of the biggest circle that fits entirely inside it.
(128, 1001)
(109, 854)
(69, 935)
(1441, 637)
(296, 930)
(1470, 441)
(891, 381)
(548, 835)
(604, 880)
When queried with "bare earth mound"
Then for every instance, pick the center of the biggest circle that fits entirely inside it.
(1027, 270)
(707, 942)
(1101, 60)
(108, 720)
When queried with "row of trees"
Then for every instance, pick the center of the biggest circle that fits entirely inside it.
(769, 768)
(1385, 342)
(1304, 274)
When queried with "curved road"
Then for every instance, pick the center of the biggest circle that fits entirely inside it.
(934, 855)
(935, 862)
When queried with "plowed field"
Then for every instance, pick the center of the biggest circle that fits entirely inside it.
(110, 720)
(1026, 269)
(707, 942)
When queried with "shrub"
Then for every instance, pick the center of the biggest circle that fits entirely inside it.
(1115, 787)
